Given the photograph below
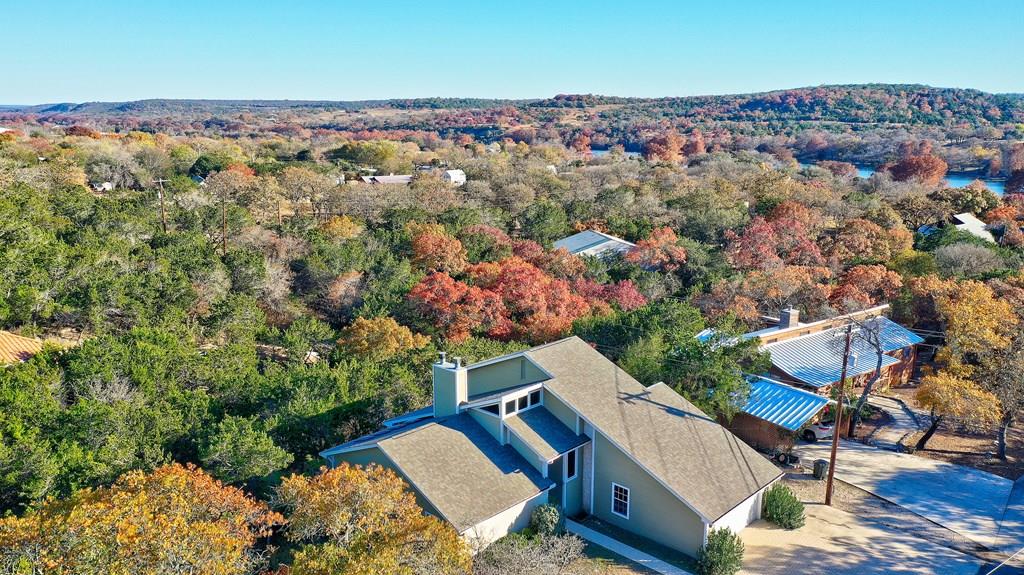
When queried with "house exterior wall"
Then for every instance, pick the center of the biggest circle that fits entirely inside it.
(509, 373)
(654, 512)
(758, 433)
(512, 519)
(572, 494)
(743, 514)
(491, 423)
(526, 452)
(561, 411)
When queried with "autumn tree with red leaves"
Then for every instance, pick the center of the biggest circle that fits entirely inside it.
(665, 147)
(434, 249)
(865, 286)
(659, 251)
(919, 163)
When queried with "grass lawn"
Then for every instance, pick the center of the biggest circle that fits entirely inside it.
(601, 561)
(666, 554)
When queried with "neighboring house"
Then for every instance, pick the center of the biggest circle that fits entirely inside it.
(454, 177)
(389, 179)
(15, 348)
(562, 424)
(774, 413)
(810, 355)
(965, 222)
(594, 243)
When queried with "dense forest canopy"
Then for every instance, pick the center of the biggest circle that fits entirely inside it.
(224, 296)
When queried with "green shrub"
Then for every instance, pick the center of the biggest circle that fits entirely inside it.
(782, 508)
(722, 555)
(546, 520)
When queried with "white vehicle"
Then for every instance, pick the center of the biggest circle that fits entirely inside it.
(816, 431)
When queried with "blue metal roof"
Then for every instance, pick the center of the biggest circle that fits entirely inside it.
(817, 359)
(781, 404)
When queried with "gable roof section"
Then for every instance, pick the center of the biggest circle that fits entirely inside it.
(817, 359)
(781, 404)
(456, 465)
(969, 223)
(463, 471)
(15, 348)
(700, 462)
(543, 433)
(592, 242)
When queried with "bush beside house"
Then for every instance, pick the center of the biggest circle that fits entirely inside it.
(722, 554)
(782, 507)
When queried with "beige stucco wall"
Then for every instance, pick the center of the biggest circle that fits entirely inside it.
(492, 423)
(743, 514)
(560, 410)
(512, 519)
(508, 373)
(653, 511)
(526, 452)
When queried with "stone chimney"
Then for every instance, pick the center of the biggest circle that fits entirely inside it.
(789, 317)
(450, 385)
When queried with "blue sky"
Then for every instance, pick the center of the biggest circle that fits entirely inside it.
(77, 50)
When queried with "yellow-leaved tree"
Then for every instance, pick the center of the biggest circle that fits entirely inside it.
(174, 520)
(379, 338)
(947, 395)
(365, 521)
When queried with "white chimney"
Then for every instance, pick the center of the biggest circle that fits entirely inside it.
(789, 317)
(451, 385)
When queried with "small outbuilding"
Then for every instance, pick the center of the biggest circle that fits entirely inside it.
(454, 177)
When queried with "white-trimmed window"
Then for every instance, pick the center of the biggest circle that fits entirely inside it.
(620, 500)
(571, 465)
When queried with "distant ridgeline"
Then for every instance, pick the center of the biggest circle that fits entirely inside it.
(604, 120)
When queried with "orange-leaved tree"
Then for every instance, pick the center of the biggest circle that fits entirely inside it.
(174, 520)
(364, 521)
(379, 338)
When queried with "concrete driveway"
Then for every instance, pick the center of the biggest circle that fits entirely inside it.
(961, 499)
(839, 543)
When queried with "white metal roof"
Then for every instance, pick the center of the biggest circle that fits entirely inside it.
(593, 243)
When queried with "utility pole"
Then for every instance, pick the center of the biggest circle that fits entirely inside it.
(163, 212)
(836, 425)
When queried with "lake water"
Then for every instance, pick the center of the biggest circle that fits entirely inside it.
(952, 180)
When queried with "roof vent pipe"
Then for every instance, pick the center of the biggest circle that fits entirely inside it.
(444, 357)
(458, 362)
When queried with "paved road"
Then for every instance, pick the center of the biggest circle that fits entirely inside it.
(962, 499)
(840, 543)
(903, 422)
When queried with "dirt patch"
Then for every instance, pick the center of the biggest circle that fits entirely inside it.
(870, 424)
(973, 447)
(977, 449)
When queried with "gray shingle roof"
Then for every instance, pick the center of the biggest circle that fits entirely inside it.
(544, 433)
(462, 470)
(705, 465)
(817, 359)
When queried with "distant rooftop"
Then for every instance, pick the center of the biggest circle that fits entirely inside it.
(593, 243)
